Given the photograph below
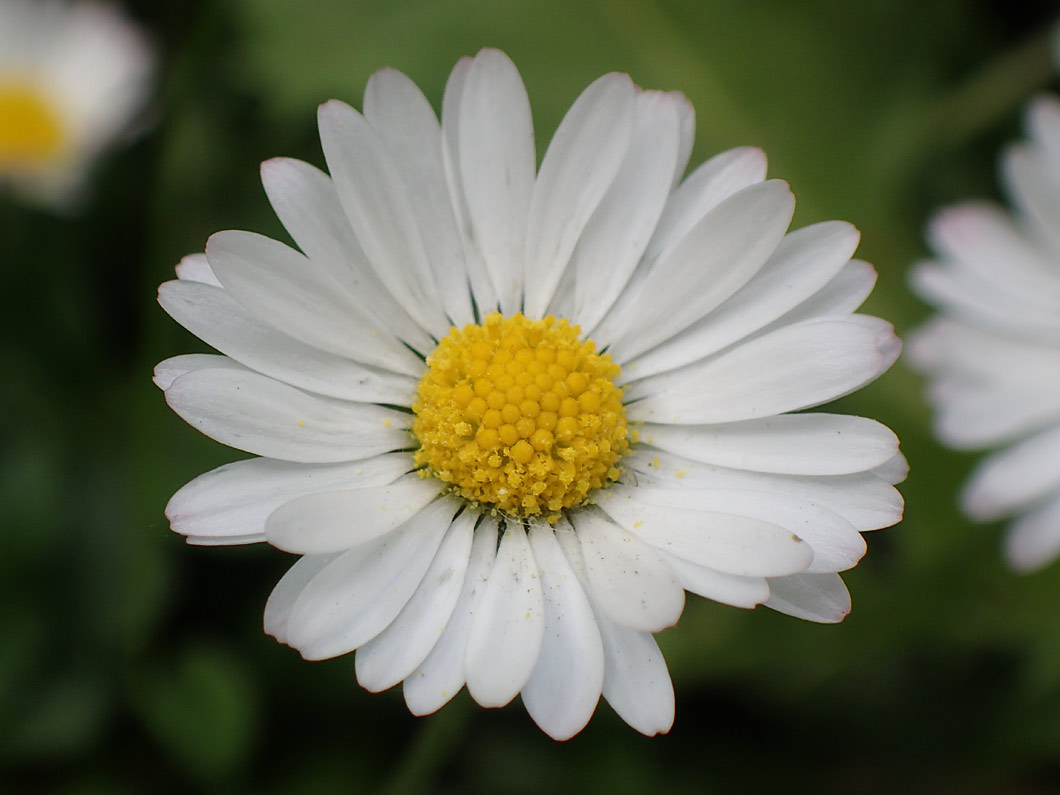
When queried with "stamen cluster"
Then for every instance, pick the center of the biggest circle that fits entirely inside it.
(30, 131)
(520, 416)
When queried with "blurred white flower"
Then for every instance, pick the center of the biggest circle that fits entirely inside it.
(993, 351)
(72, 77)
(480, 493)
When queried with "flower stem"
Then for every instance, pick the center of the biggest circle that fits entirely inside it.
(428, 750)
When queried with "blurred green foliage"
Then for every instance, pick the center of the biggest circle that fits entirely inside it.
(133, 663)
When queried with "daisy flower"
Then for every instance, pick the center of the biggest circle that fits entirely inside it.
(993, 351)
(72, 76)
(509, 414)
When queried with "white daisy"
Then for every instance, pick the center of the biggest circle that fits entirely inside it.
(483, 492)
(993, 352)
(71, 78)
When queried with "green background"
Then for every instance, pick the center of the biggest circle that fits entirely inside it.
(130, 662)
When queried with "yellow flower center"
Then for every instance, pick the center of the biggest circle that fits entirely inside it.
(520, 416)
(30, 131)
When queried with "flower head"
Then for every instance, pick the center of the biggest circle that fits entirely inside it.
(508, 415)
(71, 78)
(993, 351)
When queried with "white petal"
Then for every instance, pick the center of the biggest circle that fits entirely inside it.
(410, 130)
(636, 682)
(335, 520)
(400, 648)
(357, 595)
(1033, 540)
(729, 589)
(304, 199)
(233, 501)
(730, 543)
(307, 204)
(714, 181)
(169, 370)
(963, 296)
(497, 163)
(687, 128)
(478, 275)
(954, 348)
(717, 257)
(629, 580)
(841, 296)
(1043, 123)
(226, 540)
(984, 239)
(711, 183)
(618, 233)
(822, 598)
(794, 444)
(565, 685)
(91, 56)
(893, 471)
(196, 268)
(1012, 479)
(508, 626)
(379, 211)
(836, 545)
(216, 318)
(298, 297)
(866, 501)
(442, 674)
(804, 262)
(973, 415)
(562, 304)
(578, 168)
(254, 413)
(1034, 188)
(987, 388)
(287, 591)
(792, 368)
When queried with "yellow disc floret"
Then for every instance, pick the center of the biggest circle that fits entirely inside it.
(520, 416)
(30, 131)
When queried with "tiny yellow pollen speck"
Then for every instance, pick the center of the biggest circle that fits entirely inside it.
(638, 523)
(386, 423)
(680, 474)
(655, 462)
(374, 333)
(302, 423)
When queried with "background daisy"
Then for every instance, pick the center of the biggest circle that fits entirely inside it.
(993, 353)
(73, 76)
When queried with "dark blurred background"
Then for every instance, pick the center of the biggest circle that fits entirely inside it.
(130, 662)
